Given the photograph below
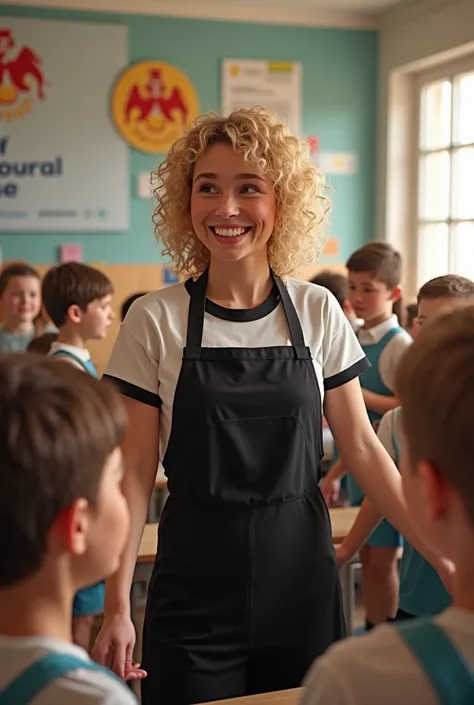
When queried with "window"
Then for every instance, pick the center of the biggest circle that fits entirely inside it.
(445, 199)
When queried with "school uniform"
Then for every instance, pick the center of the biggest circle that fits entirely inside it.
(422, 592)
(419, 662)
(89, 600)
(14, 342)
(40, 670)
(384, 345)
(245, 589)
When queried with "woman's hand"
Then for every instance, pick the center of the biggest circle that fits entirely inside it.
(114, 647)
(342, 557)
(330, 489)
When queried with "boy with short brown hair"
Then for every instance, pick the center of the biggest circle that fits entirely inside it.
(20, 301)
(375, 272)
(78, 300)
(430, 660)
(64, 523)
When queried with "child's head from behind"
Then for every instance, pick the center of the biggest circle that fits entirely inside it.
(62, 512)
(442, 294)
(20, 294)
(375, 273)
(435, 383)
(128, 302)
(338, 285)
(42, 343)
(79, 297)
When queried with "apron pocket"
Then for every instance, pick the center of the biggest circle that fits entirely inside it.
(259, 460)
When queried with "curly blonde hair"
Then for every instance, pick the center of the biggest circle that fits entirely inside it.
(266, 143)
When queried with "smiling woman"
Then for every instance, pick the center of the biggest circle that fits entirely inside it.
(266, 161)
(224, 378)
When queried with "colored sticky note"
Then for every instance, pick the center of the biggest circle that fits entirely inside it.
(169, 276)
(345, 163)
(332, 247)
(70, 252)
(313, 143)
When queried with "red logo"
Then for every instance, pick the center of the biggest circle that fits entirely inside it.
(152, 101)
(152, 104)
(21, 78)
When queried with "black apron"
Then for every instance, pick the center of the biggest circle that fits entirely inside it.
(245, 590)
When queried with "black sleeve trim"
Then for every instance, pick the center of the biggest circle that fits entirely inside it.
(134, 392)
(346, 375)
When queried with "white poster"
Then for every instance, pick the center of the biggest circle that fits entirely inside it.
(62, 165)
(275, 85)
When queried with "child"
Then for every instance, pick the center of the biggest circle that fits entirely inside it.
(374, 292)
(20, 300)
(78, 300)
(64, 525)
(42, 343)
(429, 660)
(422, 592)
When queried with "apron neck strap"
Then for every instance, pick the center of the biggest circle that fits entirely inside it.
(197, 307)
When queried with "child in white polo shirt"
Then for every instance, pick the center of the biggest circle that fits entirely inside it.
(430, 660)
(375, 273)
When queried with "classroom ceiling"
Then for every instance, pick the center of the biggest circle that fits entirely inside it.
(366, 6)
(324, 13)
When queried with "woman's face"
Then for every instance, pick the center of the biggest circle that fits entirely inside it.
(232, 205)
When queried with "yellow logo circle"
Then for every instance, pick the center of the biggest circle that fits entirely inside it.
(152, 104)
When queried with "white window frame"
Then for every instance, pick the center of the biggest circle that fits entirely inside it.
(446, 70)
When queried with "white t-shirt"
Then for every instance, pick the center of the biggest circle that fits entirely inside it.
(79, 687)
(146, 359)
(380, 668)
(392, 352)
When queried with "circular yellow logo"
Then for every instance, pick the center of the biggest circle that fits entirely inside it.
(152, 104)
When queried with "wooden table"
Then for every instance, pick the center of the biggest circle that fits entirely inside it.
(283, 697)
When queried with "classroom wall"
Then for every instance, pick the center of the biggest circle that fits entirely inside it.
(419, 32)
(339, 98)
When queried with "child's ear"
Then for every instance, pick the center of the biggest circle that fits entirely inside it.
(72, 526)
(436, 491)
(416, 325)
(74, 313)
(396, 293)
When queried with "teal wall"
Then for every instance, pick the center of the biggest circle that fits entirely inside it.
(339, 105)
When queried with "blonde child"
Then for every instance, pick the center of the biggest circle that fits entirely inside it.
(78, 300)
(64, 525)
(429, 660)
(20, 303)
(374, 290)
